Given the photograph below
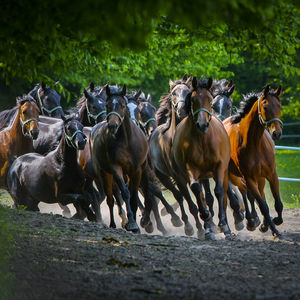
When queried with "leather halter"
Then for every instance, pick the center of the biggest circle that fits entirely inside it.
(199, 110)
(69, 139)
(266, 123)
(94, 117)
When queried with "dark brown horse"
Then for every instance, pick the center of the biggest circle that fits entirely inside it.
(16, 139)
(119, 150)
(252, 150)
(201, 149)
(53, 178)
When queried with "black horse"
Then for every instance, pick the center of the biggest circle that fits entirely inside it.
(56, 177)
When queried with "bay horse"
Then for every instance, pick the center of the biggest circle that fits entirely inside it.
(201, 149)
(169, 115)
(119, 148)
(56, 177)
(48, 100)
(16, 139)
(147, 116)
(253, 151)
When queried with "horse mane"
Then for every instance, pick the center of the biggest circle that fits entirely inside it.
(164, 111)
(7, 116)
(245, 106)
(219, 87)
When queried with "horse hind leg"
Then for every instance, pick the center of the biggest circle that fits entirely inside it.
(108, 182)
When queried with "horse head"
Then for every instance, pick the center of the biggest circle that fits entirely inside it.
(73, 133)
(147, 117)
(29, 116)
(198, 104)
(95, 107)
(48, 101)
(222, 102)
(178, 95)
(269, 110)
(116, 107)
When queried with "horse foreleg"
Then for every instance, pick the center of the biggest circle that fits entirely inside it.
(131, 225)
(65, 210)
(119, 201)
(263, 206)
(274, 185)
(108, 182)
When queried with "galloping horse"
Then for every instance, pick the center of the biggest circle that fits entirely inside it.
(48, 101)
(170, 113)
(119, 148)
(17, 138)
(201, 149)
(53, 178)
(252, 150)
(147, 116)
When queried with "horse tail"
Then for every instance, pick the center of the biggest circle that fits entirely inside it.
(7, 168)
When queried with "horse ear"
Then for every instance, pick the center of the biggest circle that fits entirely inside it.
(149, 98)
(194, 83)
(123, 92)
(43, 85)
(184, 77)
(266, 91)
(278, 91)
(171, 84)
(231, 90)
(209, 83)
(188, 81)
(138, 94)
(107, 90)
(92, 86)
(86, 93)
(229, 84)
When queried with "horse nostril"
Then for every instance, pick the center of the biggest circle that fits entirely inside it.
(34, 133)
(276, 135)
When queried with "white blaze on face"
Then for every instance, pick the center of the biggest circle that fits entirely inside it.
(221, 105)
(131, 106)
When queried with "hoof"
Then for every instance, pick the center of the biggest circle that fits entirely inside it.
(239, 226)
(145, 221)
(112, 226)
(238, 216)
(256, 221)
(230, 237)
(66, 213)
(132, 226)
(188, 229)
(263, 228)
(225, 229)
(277, 235)
(200, 233)
(176, 222)
(124, 220)
(213, 227)
(163, 212)
(210, 236)
(149, 227)
(251, 225)
(207, 216)
(277, 221)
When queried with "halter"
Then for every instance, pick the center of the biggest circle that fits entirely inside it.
(69, 139)
(43, 108)
(94, 117)
(144, 124)
(23, 123)
(266, 123)
(115, 113)
(201, 109)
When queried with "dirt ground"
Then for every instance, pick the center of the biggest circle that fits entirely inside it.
(59, 258)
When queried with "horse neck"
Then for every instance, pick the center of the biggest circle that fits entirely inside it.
(83, 116)
(174, 121)
(65, 153)
(24, 143)
(250, 127)
(125, 129)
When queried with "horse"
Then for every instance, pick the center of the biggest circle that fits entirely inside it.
(253, 152)
(48, 101)
(171, 112)
(56, 177)
(201, 149)
(119, 148)
(147, 120)
(16, 139)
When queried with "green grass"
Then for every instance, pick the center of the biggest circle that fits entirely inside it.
(288, 165)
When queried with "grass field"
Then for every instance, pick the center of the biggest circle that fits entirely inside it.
(288, 165)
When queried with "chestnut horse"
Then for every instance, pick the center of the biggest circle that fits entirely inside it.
(16, 139)
(201, 149)
(119, 149)
(253, 152)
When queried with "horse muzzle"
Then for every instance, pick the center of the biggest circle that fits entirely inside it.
(113, 128)
(81, 144)
(34, 133)
(203, 126)
(276, 135)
